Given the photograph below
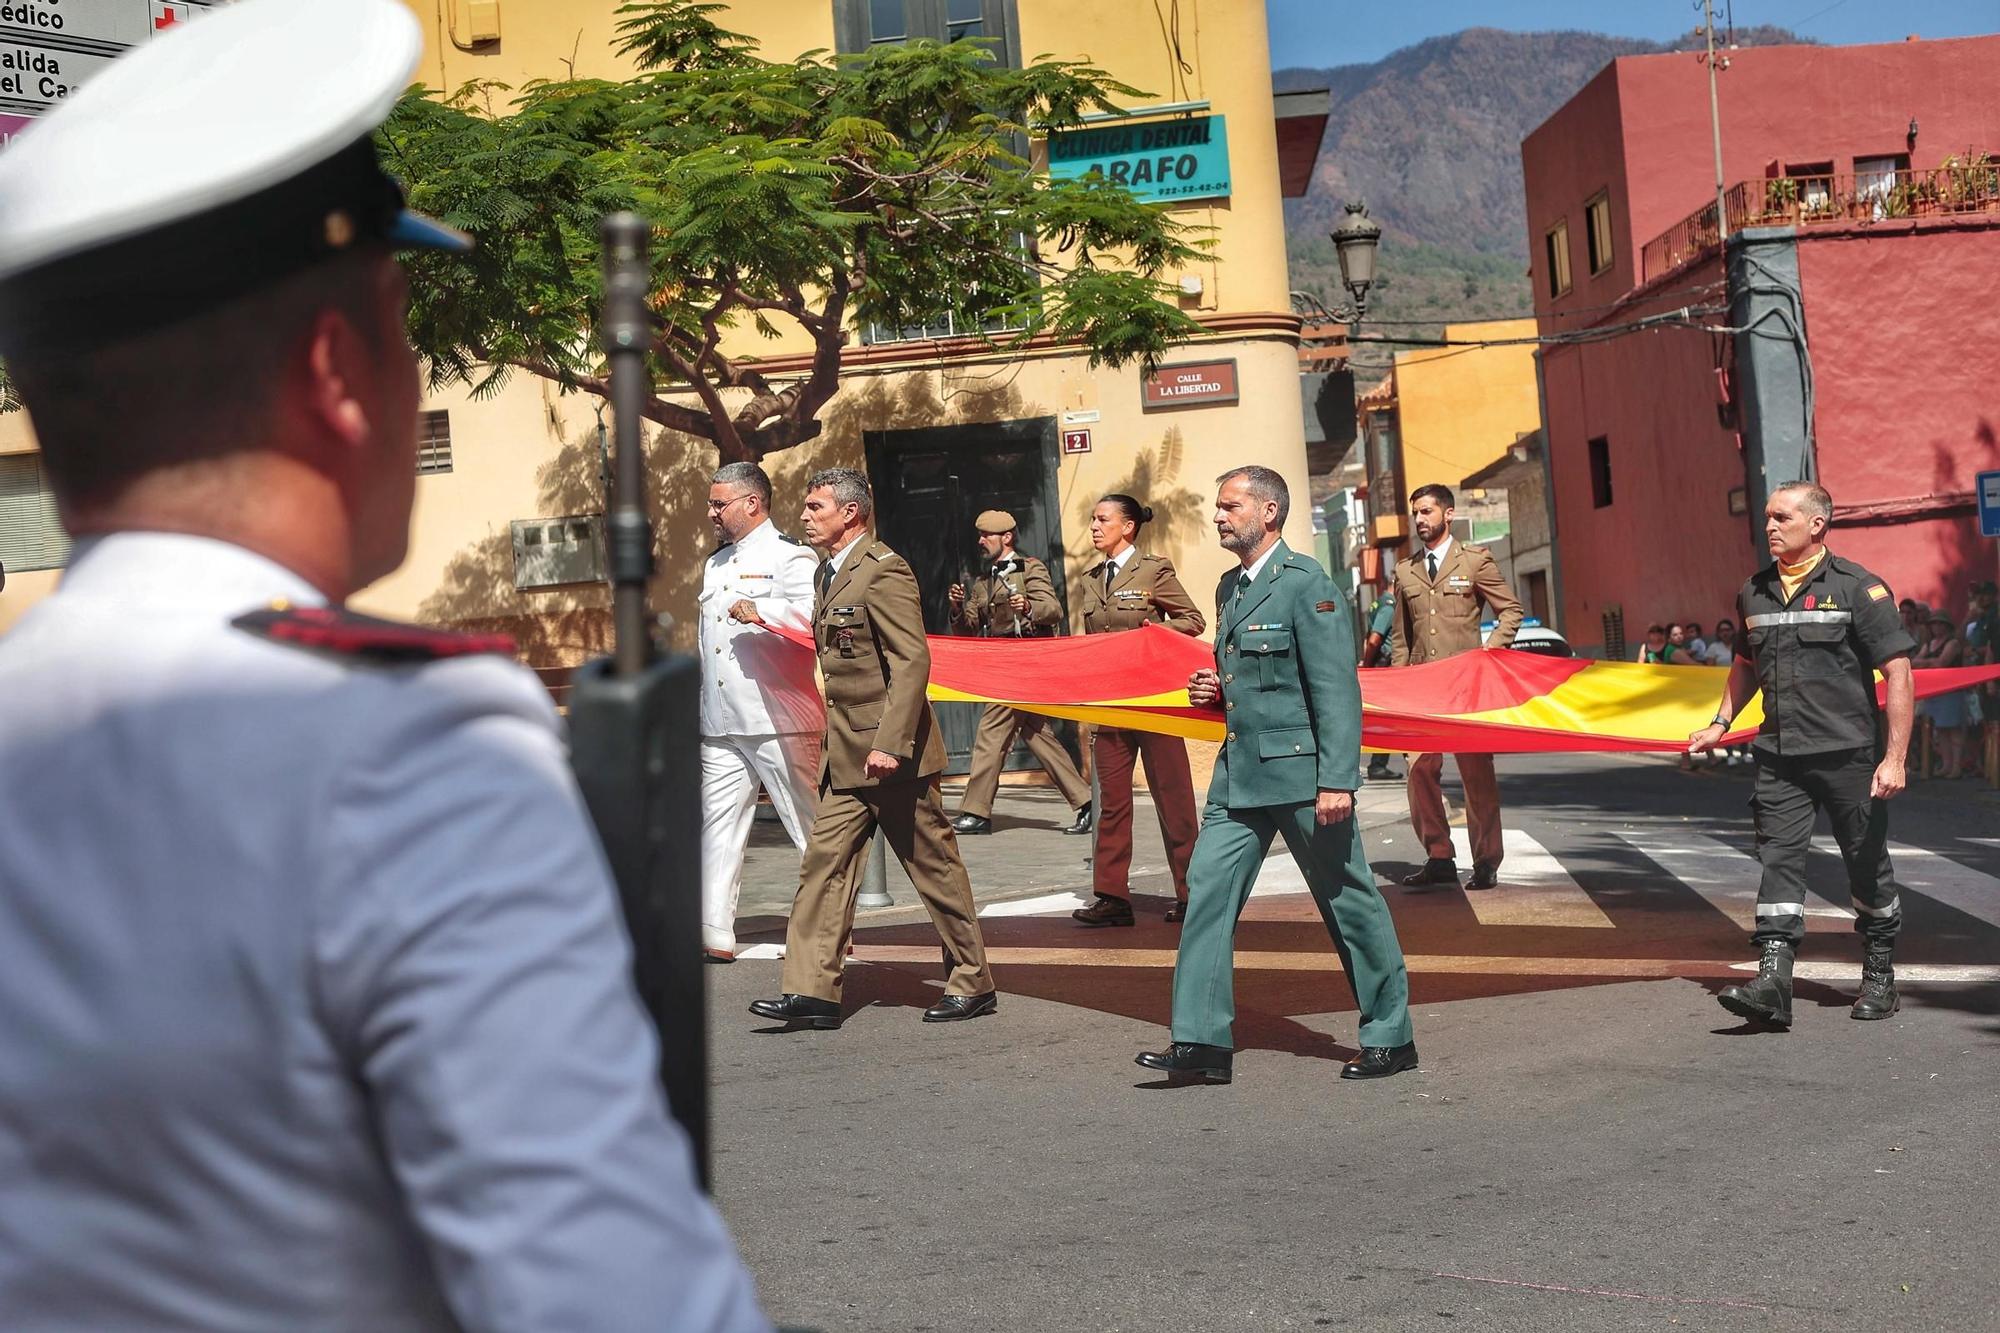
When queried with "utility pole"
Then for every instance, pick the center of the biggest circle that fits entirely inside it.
(1715, 121)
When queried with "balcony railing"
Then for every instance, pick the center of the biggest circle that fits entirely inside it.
(1784, 201)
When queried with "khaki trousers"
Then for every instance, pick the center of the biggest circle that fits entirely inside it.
(1482, 806)
(1167, 777)
(997, 729)
(912, 819)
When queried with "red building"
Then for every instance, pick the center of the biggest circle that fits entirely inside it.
(1850, 334)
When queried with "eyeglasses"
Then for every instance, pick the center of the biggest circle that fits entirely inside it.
(718, 506)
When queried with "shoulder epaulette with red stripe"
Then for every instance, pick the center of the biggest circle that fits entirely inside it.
(348, 634)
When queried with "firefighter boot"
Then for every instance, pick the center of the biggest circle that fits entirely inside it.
(1768, 997)
(1878, 998)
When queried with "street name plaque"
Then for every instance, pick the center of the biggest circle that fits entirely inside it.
(1191, 384)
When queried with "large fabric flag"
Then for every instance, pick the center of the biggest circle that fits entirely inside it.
(1497, 702)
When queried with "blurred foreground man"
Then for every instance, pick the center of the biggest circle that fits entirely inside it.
(1289, 766)
(878, 768)
(315, 1006)
(1816, 629)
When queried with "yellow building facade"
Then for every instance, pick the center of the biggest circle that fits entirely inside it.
(504, 535)
(1459, 408)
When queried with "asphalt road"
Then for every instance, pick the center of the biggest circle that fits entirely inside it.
(1591, 1143)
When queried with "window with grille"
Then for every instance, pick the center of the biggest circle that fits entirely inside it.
(433, 442)
(860, 25)
(1557, 243)
(550, 552)
(1597, 219)
(31, 535)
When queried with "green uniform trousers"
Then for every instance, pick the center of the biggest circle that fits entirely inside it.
(1227, 855)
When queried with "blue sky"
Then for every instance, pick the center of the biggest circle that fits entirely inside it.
(1324, 33)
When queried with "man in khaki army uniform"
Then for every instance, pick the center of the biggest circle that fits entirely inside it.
(1439, 594)
(1016, 599)
(878, 768)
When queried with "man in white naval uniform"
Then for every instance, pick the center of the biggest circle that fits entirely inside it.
(761, 714)
(316, 1012)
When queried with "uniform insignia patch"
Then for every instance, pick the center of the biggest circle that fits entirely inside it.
(1877, 593)
(1326, 606)
(1811, 601)
(365, 637)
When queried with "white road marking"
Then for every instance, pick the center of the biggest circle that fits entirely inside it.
(1534, 889)
(1921, 870)
(761, 953)
(1725, 878)
(1813, 970)
(1048, 903)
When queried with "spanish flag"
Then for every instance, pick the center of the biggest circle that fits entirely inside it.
(1493, 702)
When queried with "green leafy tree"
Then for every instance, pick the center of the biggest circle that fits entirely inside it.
(813, 192)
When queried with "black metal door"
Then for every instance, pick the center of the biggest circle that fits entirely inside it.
(929, 486)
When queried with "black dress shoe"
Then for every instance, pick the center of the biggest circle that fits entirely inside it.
(1106, 911)
(972, 824)
(1381, 1061)
(957, 1008)
(1176, 913)
(1084, 823)
(799, 1011)
(1191, 1061)
(1437, 870)
(1485, 875)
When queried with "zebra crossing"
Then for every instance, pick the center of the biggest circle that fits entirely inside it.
(1542, 888)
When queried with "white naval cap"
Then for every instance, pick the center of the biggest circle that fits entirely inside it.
(210, 162)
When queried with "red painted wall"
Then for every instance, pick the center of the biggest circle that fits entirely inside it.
(1641, 127)
(1666, 548)
(1905, 336)
(1902, 322)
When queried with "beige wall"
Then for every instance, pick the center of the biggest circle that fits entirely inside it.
(527, 453)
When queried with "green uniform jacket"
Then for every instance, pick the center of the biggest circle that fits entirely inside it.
(1291, 698)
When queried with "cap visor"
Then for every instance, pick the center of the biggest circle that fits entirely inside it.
(414, 231)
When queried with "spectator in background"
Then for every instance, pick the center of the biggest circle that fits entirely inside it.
(1722, 647)
(1677, 643)
(1982, 648)
(1982, 629)
(1912, 613)
(1697, 647)
(1655, 648)
(1942, 647)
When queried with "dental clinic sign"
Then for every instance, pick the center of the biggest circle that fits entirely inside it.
(49, 47)
(1161, 161)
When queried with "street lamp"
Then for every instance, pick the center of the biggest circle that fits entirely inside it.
(1354, 242)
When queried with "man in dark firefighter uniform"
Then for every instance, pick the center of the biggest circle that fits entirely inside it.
(1816, 629)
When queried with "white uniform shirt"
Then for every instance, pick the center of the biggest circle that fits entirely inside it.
(754, 683)
(315, 1008)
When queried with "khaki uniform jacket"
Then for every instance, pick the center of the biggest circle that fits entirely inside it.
(987, 607)
(1439, 620)
(1146, 592)
(869, 628)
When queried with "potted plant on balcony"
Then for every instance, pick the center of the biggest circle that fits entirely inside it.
(1781, 199)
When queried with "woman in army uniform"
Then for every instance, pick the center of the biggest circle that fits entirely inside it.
(1125, 590)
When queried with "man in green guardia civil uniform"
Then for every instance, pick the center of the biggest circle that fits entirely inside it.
(1290, 764)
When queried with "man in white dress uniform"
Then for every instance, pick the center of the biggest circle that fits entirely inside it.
(761, 713)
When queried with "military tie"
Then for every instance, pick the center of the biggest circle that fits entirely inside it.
(1433, 557)
(1110, 573)
(825, 578)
